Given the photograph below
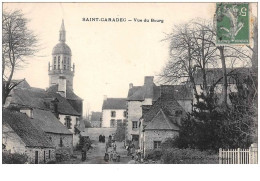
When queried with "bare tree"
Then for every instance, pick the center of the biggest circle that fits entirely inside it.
(193, 50)
(18, 43)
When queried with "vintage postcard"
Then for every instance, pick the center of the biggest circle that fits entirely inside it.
(129, 83)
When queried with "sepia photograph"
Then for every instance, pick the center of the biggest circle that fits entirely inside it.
(129, 83)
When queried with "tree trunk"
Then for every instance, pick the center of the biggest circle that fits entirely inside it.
(224, 70)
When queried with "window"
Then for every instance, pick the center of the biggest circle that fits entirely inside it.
(68, 122)
(113, 113)
(77, 121)
(61, 142)
(112, 123)
(64, 67)
(54, 67)
(50, 138)
(134, 123)
(44, 156)
(49, 154)
(58, 62)
(156, 144)
(125, 114)
(36, 157)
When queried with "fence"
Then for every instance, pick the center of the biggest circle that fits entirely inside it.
(238, 156)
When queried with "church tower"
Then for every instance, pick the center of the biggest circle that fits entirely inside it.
(60, 69)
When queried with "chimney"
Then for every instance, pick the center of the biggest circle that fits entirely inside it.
(148, 80)
(62, 86)
(105, 97)
(131, 85)
(54, 107)
(28, 111)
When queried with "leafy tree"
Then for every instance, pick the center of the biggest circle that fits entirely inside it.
(18, 43)
(120, 131)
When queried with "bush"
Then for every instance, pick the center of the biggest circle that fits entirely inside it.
(120, 132)
(155, 154)
(14, 158)
(188, 156)
(51, 162)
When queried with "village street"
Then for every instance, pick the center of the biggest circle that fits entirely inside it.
(96, 155)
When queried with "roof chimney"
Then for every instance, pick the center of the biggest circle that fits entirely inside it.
(148, 80)
(105, 97)
(62, 86)
(131, 85)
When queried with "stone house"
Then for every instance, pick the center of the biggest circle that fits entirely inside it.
(56, 132)
(161, 120)
(113, 112)
(95, 119)
(139, 96)
(20, 136)
(36, 98)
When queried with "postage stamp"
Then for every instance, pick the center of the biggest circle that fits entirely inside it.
(232, 23)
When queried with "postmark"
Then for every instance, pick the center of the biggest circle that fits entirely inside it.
(232, 23)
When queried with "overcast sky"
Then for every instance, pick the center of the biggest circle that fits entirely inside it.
(108, 56)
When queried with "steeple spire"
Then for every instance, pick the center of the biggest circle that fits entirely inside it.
(62, 32)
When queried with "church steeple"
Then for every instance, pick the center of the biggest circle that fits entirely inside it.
(62, 32)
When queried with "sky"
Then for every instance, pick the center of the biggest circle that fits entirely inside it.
(107, 55)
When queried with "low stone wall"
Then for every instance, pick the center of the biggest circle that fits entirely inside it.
(94, 133)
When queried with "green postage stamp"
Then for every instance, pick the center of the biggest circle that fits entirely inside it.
(232, 26)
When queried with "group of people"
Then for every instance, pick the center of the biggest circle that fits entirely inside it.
(102, 138)
(111, 154)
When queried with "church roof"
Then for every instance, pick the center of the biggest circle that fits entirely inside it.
(21, 125)
(114, 103)
(61, 48)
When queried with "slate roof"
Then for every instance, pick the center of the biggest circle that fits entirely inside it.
(139, 93)
(21, 125)
(114, 103)
(69, 93)
(161, 122)
(39, 98)
(168, 104)
(46, 121)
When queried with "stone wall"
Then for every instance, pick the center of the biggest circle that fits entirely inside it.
(156, 135)
(30, 152)
(94, 133)
(67, 141)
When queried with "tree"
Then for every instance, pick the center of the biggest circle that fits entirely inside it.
(18, 43)
(193, 50)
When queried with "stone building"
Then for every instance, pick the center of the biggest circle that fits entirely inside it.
(161, 120)
(113, 112)
(139, 96)
(95, 119)
(56, 132)
(20, 136)
(36, 98)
